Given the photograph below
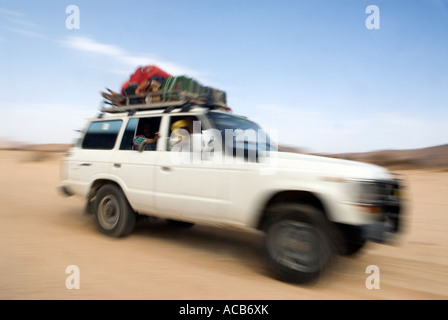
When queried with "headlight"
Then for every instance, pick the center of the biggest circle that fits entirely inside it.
(368, 192)
(375, 194)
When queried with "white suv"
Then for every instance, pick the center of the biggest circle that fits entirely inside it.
(230, 174)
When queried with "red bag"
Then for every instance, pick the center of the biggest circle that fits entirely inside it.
(146, 73)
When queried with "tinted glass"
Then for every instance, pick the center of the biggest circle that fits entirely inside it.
(101, 135)
(245, 133)
(128, 136)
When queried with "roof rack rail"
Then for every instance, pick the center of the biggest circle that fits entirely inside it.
(185, 106)
(141, 107)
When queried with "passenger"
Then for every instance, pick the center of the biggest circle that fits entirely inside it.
(180, 132)
(144, 80)
(129, 92)
(146, 141)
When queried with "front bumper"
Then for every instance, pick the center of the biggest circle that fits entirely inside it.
(380, 231)
(386, 212)
(66, 191)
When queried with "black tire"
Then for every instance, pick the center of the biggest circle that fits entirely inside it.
(352, 240)
(353, 247)
(113, 214)
(297, 242)
(179, 224)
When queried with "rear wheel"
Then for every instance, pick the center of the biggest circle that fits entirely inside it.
(297, 242)
(113, 214)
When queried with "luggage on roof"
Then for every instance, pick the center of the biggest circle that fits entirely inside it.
(163, 88)
(185, 88)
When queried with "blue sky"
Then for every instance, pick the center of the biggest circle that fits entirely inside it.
(311, 70)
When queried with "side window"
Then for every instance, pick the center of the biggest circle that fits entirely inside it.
(127, 143)
(180, 128)
(147, 133)
(102, 135)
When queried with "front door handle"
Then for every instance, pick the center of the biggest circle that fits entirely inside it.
(85, 164)
(117, 165)
(166, 169)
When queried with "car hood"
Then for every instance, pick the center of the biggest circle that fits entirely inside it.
(330, 167)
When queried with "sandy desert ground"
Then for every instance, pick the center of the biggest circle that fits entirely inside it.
(43, 232)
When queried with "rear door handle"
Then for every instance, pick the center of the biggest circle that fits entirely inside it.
(117, 165)
(85, 164)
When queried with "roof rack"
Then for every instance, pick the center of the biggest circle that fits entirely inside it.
(184, 105)
(175, 92)
(140, 107)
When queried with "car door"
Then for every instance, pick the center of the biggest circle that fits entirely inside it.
(189, 185)
(91, 160)
(135, 170)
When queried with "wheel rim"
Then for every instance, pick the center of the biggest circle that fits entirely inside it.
(295, 245)
(108, 212)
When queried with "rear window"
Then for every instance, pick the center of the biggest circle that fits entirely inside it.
(102, 135)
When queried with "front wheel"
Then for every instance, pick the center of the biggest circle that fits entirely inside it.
(113, 214)
(297, 242)
(352, 240)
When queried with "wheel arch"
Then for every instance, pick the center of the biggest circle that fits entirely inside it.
(291, 196)
(93, 191)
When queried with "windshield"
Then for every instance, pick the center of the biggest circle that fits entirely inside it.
(245, 134)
